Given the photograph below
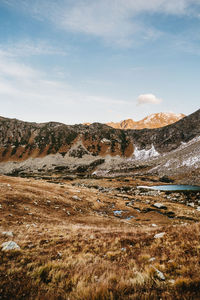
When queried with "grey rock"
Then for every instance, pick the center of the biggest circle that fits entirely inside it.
(123, 249)
(76, 198)
(152, 259)
(171, 281)
(190, 204)
(159, 205)
(159, 274)
(159, 235)
(10, 245)
(7, 233)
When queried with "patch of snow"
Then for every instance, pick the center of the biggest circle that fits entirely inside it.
(194, 140)
(145, 154)
(191, 161)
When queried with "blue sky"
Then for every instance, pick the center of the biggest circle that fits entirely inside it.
(77, 61)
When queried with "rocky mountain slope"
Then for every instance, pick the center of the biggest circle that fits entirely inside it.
(152, 121)
(32, 147)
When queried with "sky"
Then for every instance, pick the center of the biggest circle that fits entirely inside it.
(76, 61)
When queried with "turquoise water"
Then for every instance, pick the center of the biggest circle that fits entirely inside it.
(173, 187)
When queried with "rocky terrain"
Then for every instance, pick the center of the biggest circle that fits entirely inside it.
(99, 150)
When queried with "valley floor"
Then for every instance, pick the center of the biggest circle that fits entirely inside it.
(98, 239)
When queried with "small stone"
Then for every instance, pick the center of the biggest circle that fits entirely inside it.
(171, 281)
(159, 274)
(76, 198)
(7, 233)
(152, 259)
(159, 205)
(198, 208)
(190, 204)
(159, 235)
(10, 246)
(153, 225)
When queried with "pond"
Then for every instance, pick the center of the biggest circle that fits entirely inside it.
(174, 187)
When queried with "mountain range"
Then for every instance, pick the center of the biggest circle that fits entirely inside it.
(98, 149)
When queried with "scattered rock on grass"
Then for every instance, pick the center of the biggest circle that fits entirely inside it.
(10, 245)
(159, 205)
(76, 198)
(159, 274)
(7, 233)
(159, 235)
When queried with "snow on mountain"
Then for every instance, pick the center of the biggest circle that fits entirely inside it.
(145, 154)
(156, 120)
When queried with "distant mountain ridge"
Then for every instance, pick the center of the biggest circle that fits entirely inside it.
(156, 120)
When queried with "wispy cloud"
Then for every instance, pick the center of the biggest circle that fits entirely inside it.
(148, 99)
(29, 47)
(28, 89)
(116, 21)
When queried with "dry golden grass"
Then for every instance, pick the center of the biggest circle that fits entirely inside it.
(87, 256)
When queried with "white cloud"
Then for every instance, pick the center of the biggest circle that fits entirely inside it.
(148, 99)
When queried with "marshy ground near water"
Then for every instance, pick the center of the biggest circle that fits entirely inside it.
(98, 239)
